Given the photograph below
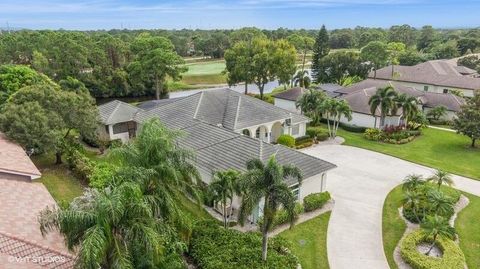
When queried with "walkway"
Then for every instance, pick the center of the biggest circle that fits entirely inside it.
(441, 128)
(359, 186)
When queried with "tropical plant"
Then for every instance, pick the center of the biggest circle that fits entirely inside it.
(412, 182)
(348, 80)
(441, 203)
(383, 99)
(333, 110)
(435, 226)
(172, 170)
(224, 185)
(441, 177)
(111, 228)
(413, 200)
(468, 119)
(266, 182)
(308, 103)
(437, 112)
(302, 79)
(409, 105)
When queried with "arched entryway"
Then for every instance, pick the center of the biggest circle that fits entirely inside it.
(262, 133)
(277, 131)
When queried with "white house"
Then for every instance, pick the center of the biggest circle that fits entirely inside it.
(437, 76)
(224, 129)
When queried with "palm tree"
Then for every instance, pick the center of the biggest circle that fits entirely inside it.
(223, 187)
(383, 99)
(308, 103)
(412, 182)
(437, 112)
(111, 228)
(441, 177)
(435, 226)
(267, 182)
(413, 199)
(341, 109)
(440, 202)
(172, 170)
(302, 79)
(409, 105)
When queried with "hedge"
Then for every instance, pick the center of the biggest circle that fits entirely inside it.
(213, 247)
(452, 258)
(317, 132)
(352, 128)
(286, 140)
(316, 200)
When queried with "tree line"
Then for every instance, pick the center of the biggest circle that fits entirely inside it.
(107, 61)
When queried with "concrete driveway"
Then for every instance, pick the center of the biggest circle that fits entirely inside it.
(359, 186)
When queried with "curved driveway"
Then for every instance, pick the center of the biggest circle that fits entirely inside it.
(359, 185)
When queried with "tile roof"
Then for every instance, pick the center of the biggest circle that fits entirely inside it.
(291, 94)
(436, 72)
(116, 111)
(358, 95)
(14, 160)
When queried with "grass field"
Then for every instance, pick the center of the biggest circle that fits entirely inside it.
(435, 148)
(204, 73)
(309, 242)
(58, 179)
(466, 225)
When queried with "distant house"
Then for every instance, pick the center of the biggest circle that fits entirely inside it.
(287, 99)
(225, 129)
(358, 95)
(437, 76)
(14, 162)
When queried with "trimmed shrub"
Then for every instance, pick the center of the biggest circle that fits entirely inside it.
(213, 247)
(452, 258)
(302, 139)
(315, 200)
(352, 128)
(282, 217)
(286, 140)
(304, 145)
(373, 134)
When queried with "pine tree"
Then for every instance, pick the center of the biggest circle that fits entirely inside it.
(320, 50)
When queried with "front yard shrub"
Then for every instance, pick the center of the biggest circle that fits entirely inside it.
(303, 142)
(213, 247)
(102, 175)
(452, 258)
(80, 165)
(281, 217)
(286, 140)
(352, 128)
(373, 134)
(316, 200)
(317, 132)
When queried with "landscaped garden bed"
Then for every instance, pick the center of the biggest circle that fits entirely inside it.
(392, 134)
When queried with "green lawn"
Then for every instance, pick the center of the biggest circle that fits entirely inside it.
(435, 148)
(466, 225)
(205, 68)
(60, 182)
(194, 211)
(309, 242)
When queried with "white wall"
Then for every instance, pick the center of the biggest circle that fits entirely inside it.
(313, 184)
(451, 115)
(286, 104)
(122, 136)
(365, 120)
(434, 88)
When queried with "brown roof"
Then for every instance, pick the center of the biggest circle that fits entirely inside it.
(291, 94)
(437, 72)
(358, 95)
(14, 160)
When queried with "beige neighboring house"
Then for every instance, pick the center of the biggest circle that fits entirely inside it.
(22, 245)
(437, 76)
(225, 129)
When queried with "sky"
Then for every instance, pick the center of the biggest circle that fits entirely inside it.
(227, 14)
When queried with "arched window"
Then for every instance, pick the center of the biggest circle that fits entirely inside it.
(257, 133)
(246, 132)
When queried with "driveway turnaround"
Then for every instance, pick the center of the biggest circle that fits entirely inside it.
(359, 186)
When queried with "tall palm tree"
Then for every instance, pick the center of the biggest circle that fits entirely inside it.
(342, 109)
(441, 177)
(302, 79)
(223, 187)
(111, 228)
(440, 202)
(383, 99)
(409, 105)
(412, 182)
(267, 182)
(327, 109)
(413, 199)
(308, 103)
(173, 172)
(435, 226)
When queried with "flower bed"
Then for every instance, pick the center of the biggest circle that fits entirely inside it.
(392, 134)
(452, 258)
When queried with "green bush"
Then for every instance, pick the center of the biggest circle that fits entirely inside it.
(302, 139)
(213, 247)
(452, 258)
(317, 132)
(116, 143)
(316, 200)
(305, 144)
(373, 134)
(282, 217)
(102, 175)
(286, 140)
(352, 128)
(80, 165)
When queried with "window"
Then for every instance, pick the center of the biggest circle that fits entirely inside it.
(246, 132)
(107, 129)
(445, 90)
(257, 133)
(295, 129)
(119, 128)
(425, 88)
(295, 191)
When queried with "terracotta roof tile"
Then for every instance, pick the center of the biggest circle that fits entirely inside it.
(14, 160)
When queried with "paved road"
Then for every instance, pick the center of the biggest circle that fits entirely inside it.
(359, 186)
